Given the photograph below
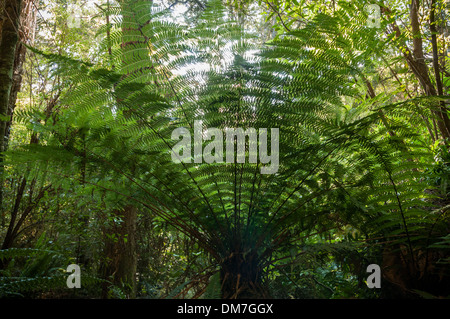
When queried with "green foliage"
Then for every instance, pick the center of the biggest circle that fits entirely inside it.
(40, 273)
(213, 290)
(351, 167)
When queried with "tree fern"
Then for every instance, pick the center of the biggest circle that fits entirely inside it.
(338, 165)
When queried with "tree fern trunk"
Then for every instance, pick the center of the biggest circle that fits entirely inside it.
(241, 277)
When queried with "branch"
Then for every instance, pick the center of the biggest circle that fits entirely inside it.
(278, 14)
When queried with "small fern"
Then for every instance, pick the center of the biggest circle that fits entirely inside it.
(39, 275)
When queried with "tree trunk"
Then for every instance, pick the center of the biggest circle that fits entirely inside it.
(123, 253)
(26, 31)
(9, 39)
(420, 68)
(126, 268)
(13, 27)
(2, 18)
(8, 45)
(120, 252)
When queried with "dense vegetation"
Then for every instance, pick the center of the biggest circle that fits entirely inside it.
(90, 98)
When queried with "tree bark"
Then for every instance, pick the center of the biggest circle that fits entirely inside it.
(16, 23)
(2, 18)
(10, 38)
(10, 17)
(120, 252)
(26, 27)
